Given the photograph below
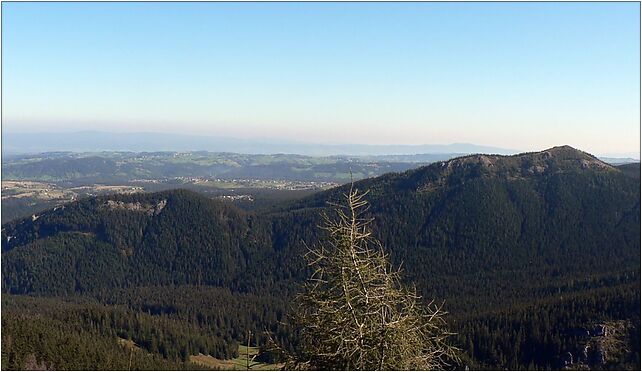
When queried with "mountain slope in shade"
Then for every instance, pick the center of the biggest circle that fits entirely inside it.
(632, 169)
(524, 215)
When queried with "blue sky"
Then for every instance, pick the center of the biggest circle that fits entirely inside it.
(526, 76)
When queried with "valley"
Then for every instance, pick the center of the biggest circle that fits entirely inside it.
(24, 198)
(35, 182)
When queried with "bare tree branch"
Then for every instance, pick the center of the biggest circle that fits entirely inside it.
(354, 312)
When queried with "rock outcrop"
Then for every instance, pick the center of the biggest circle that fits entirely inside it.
(149, 209)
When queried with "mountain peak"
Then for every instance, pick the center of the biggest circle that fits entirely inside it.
(559, 159)
(570, 156)
(563, 148)
(563, 156)
(568, 152)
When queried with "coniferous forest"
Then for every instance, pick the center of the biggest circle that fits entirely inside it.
(536, 258)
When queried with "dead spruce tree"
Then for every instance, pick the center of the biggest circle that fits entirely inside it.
(354, 313)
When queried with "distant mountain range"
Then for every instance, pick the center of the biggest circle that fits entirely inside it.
(20, 143)
(619, 161)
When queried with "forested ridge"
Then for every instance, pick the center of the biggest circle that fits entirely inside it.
(522, 249)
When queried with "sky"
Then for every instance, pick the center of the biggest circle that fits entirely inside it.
(524, 76)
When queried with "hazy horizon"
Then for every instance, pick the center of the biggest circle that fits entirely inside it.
(51, 142)
(524, 76)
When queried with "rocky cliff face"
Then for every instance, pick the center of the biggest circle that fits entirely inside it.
(149, 209)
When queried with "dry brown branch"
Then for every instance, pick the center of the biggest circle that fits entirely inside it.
(354, 313)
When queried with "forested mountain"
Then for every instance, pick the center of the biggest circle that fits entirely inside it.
(523, 250)
(632, 169)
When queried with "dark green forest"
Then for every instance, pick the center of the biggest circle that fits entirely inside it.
(528, 253)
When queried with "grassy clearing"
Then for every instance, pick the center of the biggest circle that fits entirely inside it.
(237, 364)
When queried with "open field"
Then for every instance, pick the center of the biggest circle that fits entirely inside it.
(22, 198)
(119, 167)
(237, 364)
(32, 189)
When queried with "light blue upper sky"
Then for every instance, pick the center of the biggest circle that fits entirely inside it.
(526, 76)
